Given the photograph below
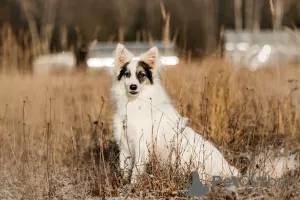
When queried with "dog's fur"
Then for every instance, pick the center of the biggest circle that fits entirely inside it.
(146, 122)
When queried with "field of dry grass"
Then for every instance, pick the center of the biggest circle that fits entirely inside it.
(48, 138)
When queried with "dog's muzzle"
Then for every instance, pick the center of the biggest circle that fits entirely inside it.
(133, 89)
(133, 92)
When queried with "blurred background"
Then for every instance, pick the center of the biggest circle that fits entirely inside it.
(30, 28)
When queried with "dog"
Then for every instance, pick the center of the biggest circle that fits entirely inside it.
(146, 122)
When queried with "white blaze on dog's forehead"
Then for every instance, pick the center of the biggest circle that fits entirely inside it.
(122, 56)
(150, 57)
(132, 66)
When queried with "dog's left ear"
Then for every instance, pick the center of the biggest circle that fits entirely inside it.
(151, 58)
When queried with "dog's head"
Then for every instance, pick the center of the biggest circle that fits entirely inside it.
(135, 74)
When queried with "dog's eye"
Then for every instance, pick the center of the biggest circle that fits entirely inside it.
(127, 74)
(141, 75)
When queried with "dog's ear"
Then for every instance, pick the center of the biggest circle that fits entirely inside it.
(151, 58)
(122, 56)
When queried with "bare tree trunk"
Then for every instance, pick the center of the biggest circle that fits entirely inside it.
(249, 14)
(166, 28)
(238, 15)
(279, 9)
(210, 25)
(257, 15)
(121, 34)
(153, 18)
(64, 37)
(48, 16)
(46, 34)
(32, 28)
(79, 37)
(126, 13)
(49, 12)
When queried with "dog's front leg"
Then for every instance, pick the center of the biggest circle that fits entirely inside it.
(140, 160)
(126, 160)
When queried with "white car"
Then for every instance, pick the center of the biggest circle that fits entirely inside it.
(265, 48)
(45, 64)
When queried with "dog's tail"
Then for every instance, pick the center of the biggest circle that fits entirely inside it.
(274, 164)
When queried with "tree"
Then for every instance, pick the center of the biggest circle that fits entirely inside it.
(278, 14)
(211, 25)
(126, 15)
(257, 14)
(238, 15)
(249, 5)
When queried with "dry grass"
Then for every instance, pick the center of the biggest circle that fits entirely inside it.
(48, 141)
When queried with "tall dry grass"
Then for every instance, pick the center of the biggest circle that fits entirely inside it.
(49, 141)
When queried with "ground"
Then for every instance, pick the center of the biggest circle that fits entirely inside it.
(51, 147)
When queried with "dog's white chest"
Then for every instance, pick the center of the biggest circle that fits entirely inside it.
(138, 115)
(138, 108)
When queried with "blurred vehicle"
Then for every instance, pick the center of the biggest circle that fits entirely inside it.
(58, 62)
(101, 54)
(267, 48)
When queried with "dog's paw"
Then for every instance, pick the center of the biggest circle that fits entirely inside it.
(134, 180)
(134, 177)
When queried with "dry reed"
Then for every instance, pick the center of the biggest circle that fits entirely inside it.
(47, 127)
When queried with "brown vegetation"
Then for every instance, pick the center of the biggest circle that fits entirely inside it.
(50, 145)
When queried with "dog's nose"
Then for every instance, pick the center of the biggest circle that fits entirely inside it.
(133, 87)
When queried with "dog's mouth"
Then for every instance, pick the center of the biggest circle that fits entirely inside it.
(133, 93)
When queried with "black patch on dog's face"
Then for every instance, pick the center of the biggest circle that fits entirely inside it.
(144, 72)
(124, 71)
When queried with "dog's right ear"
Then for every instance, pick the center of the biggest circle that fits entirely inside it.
(122, 56)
